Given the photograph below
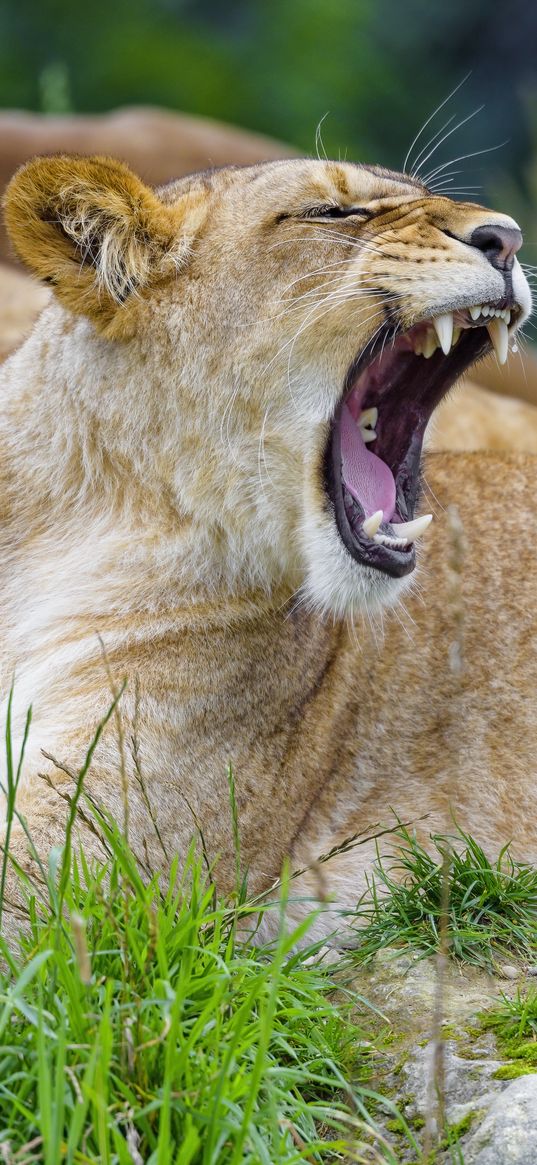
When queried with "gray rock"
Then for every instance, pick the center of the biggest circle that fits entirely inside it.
(469, 1084)
(508, 1134)
(507, 971)
(405, 991)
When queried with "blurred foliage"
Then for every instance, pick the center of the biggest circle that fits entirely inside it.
(375, 68)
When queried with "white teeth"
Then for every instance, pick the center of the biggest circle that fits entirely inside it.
(414, 529)
(429, 345)
(371, 525)
(443, 326)
(405, 532)
(499, 334)
(393, 543)
(486, 311)
(367, 421)
(369, 418)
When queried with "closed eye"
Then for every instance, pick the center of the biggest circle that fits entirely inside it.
(331, 210)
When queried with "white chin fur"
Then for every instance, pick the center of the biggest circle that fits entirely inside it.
(337, 585)
(521, 291)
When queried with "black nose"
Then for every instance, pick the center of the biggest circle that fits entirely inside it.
(500, 244)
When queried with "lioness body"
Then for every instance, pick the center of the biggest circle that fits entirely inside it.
(162, 439)
(330, 730)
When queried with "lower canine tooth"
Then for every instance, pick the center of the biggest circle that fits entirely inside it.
(368, 435)
(369, 418)
(371, 524)
(499, 334)
(414, 529)
(443, 326)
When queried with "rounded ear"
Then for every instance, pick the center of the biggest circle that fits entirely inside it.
(94, 231)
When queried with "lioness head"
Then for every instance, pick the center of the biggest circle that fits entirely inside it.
(270, 343)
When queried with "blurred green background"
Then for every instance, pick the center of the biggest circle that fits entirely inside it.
(373, 69)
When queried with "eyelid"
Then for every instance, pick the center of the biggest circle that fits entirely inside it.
(332, 210)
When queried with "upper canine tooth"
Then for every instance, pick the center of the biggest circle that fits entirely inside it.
(371, 524)
(414, 529)
(443, 326)
(475, 312)
(369, 418)
(499, 334)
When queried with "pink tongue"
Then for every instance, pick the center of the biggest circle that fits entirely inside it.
(366, 476)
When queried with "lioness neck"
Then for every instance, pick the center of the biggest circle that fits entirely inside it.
(104, 439)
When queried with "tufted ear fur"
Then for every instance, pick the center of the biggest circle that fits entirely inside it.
(95, 232)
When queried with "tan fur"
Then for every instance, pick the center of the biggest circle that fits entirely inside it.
(157, 143)
(21, 302)
(165, 491)
(518, 378)
(95, 233)
(426, 740)
(471, 418)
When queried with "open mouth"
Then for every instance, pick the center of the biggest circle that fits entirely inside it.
(373, 455)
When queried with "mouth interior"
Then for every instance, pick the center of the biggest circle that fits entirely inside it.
(374, 453)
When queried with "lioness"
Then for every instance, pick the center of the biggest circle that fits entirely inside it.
(210, 457)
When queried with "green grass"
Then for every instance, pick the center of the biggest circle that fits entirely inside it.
(514, 1023)
(138, 1028)
(135, 1026)
(491, 905)
(142, 1031)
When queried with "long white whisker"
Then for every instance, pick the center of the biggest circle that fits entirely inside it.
(416, 161)
(339, 237)
(307, 323)
(364, 245)
(226, 418)
(447, 135)
(319, 140)
(462, 158)
(261, 454)
(431, 118)
(357, 290)
(336, 266)
(445, 185)
(450, 174)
